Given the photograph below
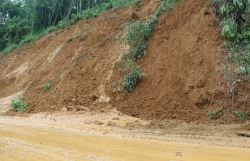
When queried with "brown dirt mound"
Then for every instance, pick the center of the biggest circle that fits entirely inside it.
(182, 78)
(82, 86)
(180, 67)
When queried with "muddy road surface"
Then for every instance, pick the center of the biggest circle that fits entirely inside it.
(23, 139)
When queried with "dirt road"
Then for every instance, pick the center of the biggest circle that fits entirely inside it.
(21, 139)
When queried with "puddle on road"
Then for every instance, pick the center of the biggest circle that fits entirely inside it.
(24, 142)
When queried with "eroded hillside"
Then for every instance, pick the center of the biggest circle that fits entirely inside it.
(181, 64)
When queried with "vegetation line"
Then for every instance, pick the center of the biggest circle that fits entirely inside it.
(137, 35)
(234, 21)
(234, 18)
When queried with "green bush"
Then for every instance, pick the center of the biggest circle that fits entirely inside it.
(136, 38)
(132, 78)
(138, 32)
(240, 114)
(62, 24)
(228, 28)
(17, 104)
(235, 19)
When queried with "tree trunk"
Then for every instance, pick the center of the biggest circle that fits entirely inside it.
(32, 27)
(71, 6)
(80, 6)
(17, 36)
(77, 8)
(56, 15)
(52, 12)
(10, 38)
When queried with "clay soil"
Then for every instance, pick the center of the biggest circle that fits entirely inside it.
(183, 78)
(69, 139)
(180, 66)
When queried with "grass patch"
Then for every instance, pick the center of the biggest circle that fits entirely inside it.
(212, 114)
(17, 104)
(240, 114)
(9, 48)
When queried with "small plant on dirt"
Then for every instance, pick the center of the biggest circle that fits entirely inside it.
(212, 114)
(17, 104)
(47, 85)
(240, 114)
(215, 114)
(117, 38)
(116, 87)
(131, 79)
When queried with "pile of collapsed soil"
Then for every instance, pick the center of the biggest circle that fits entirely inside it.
(82, 85)
(181, 65)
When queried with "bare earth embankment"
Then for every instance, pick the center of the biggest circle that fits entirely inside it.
(81, 117)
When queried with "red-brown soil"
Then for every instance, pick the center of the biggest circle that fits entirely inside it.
(181, 65)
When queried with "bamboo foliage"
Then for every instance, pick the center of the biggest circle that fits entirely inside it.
(21, 19)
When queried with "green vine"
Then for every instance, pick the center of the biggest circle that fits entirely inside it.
(137, 35)
(234, 21)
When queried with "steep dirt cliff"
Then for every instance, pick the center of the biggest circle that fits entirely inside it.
(183, 78)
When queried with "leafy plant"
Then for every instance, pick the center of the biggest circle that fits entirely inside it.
(212, 114)
(228, 28)
(136, 38)
(62, 24)
(117, 38)
(17, 104)
(240, 114)
(138, 32)
(234, 16)
(235, 19)
(131, 79)
(47, 85)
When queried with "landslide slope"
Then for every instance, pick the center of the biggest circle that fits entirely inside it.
(180, 65)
